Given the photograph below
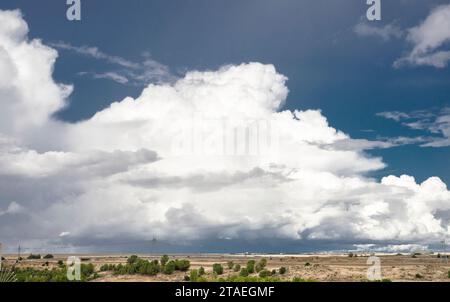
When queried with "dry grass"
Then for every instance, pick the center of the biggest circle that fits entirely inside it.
(331, 268)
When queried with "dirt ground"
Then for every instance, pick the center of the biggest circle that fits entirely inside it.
(326, 268)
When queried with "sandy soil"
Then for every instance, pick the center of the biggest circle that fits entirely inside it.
(334, 268)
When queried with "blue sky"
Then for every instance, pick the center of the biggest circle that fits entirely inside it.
(120, 47)
(350, 78)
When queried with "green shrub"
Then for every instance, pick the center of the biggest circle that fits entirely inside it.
(132, 259)
(52, 275)
(164, 260)
(48, 256)
(298, 279)
(265, 274)
(104, 268)
(87, 269)
(244, 272)
(237, 267)
(145, 267)
(282, 270)
(419, 276)
(169, 268)
(230, 264)
(46, 275)
(217, 268)
(263, 262)
(258, 268)
(248, 279)
(153, 268)
(201, 271)
(119, 269)
(182, 265)
(251, 266)
(136, 266)
(60, 263)
(307, 264)
(261, 265)
(33, 257)
(193, 276)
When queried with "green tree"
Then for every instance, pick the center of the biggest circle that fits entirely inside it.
(48, 256)
(282, 270)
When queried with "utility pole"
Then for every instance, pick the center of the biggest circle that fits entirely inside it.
(18, 253)
(444, 257)
(153, 245)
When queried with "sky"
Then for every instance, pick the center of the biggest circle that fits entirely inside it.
(97, 150)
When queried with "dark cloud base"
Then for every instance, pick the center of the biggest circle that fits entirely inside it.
(219, 246)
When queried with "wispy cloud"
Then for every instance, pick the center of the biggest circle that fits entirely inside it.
(113, 76)
(379, 143)
(94, 52)
(432, 121)
(428, 38)
(386, 32)
(135, 73)
(393, 115)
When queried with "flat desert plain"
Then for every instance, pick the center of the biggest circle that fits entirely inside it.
(321, 268)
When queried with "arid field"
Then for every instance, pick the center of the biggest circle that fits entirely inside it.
(321, 268)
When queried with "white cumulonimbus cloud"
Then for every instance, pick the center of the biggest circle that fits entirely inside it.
(211, 156)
